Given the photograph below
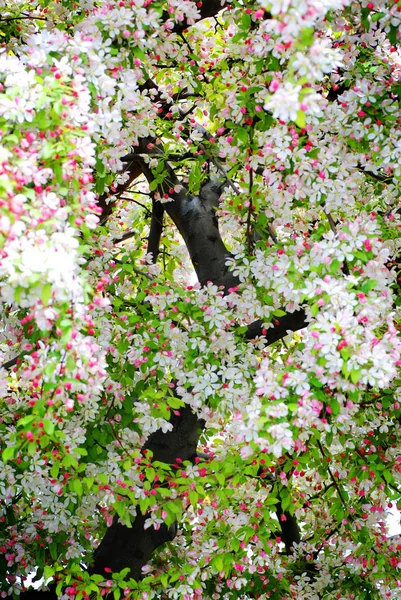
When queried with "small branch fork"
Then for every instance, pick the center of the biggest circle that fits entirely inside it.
(333, 479)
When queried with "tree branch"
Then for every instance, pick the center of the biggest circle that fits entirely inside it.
(289, 322)
(133, 547)
(195, 218)
(289, 528)
(156, 229)
(208, 8)
(10, 363)
(134, 169)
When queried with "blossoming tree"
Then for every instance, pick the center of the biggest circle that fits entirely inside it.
(199, 347)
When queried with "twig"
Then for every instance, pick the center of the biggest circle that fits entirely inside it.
(135, 192)
(126, 236)
(321, 493)
(222, 170)
(334, 230)
(332, 477)
(390, 485)
(331, 222)
(249, 216)
(10, 363)
(139, 272)
(6, 19)
(375, 176)
(139, 204)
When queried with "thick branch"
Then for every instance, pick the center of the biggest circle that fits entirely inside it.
(133, 547)
(39, 594)
(289, 322)
(134, 169)
(156, 229)
(289, 528)
(10, 363)
(195, 218)
(208, 8)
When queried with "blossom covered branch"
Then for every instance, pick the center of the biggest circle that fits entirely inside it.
(199, 342)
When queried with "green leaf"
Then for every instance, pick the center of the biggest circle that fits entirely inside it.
(393, 34)
(48, 426)
(365, 13)
(100, 185)
(301, 119)
(217, 563)
(220, 478)
(246, 21)
(32, 448)
(193, 497)
(53, 550)
(285, 502)
(355, 375)
(235, 544)
(150, 474)
(241, 35)
(306, 37)
(81, 451)
(335, 267)
(270, 500)
(335, 406)
(44, 441)
(139, 53)
(242, 135)
(377, 16)
(77, 487)
(58, 172)
(279, 313)
(175, 402)
(8, 453)
(26, 420)
(315, 382)
(368, 286)
(69, 461)
(47, 151)
(174, 508)
(89, 481)
(195, 177)
(143, 505)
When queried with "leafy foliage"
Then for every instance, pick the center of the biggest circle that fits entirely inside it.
(199, 274)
